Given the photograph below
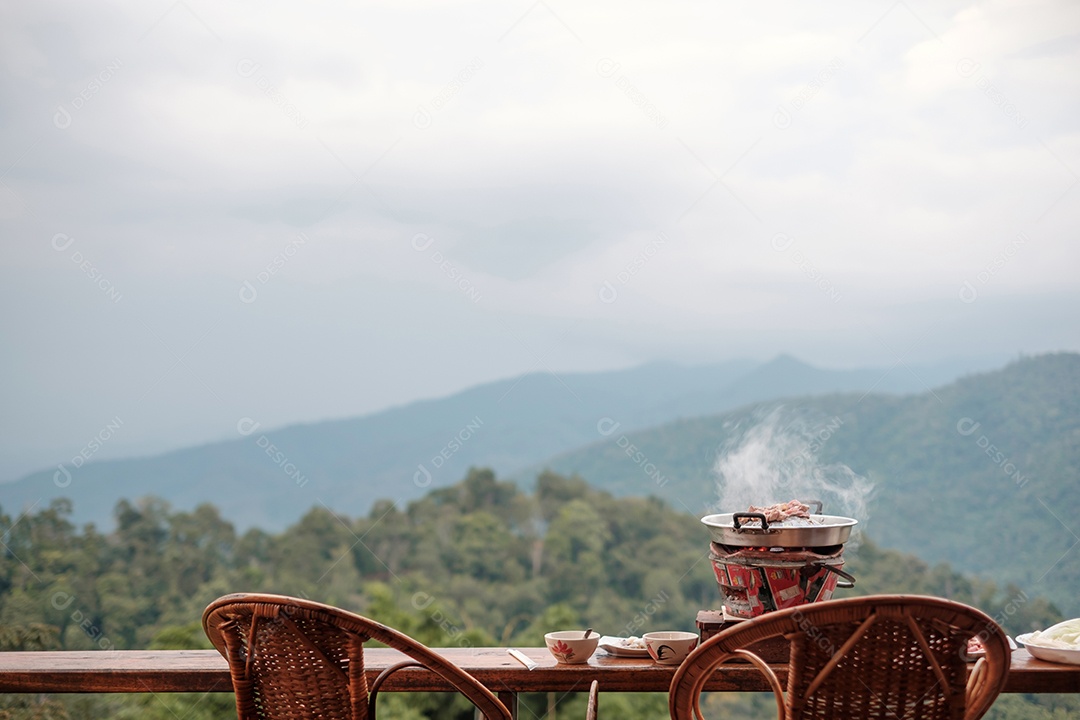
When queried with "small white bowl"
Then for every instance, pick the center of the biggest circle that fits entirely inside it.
(571, 646)
(670, 647)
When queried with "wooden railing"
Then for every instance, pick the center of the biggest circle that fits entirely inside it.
(142, 671)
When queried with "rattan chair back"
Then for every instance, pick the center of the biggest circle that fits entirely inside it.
(880, 656)
(296, 659)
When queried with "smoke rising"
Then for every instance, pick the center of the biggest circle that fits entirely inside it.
(774, 458)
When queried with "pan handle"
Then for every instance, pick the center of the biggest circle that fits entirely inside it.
(749, 516)
(811, 503)
(846, 582)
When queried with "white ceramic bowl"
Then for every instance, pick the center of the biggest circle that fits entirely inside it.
(1049, 654)
(571, 646)
(670, 647)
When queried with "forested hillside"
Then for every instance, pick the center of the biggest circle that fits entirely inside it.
(479, 563)
(981, 473)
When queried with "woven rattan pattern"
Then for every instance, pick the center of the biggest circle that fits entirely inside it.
(296, 659)
(885, 656)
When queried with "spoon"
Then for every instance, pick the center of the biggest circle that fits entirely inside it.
(587, 634)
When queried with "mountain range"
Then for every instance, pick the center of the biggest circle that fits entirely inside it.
(269, 477)
(980, 472)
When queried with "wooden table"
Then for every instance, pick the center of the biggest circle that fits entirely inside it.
(138, 671)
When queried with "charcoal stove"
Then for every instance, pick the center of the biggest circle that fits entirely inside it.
(762, 567)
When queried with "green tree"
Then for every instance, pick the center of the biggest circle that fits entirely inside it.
(574, 548)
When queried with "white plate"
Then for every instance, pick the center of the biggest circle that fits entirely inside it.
(614, 645)
(1049, 654)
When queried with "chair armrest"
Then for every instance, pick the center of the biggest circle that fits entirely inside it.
(377, 683)
(690, 679)
(594, 701)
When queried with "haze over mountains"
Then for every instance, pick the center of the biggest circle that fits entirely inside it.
(268, 478)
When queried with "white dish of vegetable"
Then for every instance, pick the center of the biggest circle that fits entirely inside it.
(1059, 643)
(632, 646)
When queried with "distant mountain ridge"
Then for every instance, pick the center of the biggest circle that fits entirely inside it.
(268, 478)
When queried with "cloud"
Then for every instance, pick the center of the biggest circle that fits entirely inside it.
(687, 180)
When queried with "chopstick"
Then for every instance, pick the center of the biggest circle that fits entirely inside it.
(522, 658)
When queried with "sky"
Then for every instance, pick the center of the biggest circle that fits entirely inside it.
(299, 211)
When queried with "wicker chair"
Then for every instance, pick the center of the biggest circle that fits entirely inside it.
(899, 656)
(297, 659)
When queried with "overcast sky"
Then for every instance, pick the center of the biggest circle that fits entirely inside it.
(299, 211)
